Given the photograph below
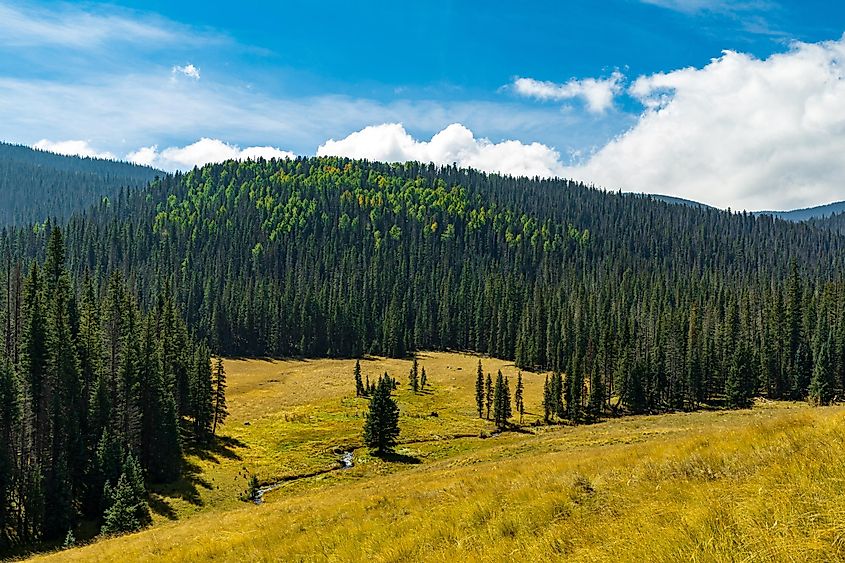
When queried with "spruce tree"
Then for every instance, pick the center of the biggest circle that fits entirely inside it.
(738, 384)
(488, 397)
(221, 412)
(548, 401)
(359, 383)
(499, 397)
(597, 394)
(823, 382)
(381, 425)
(201, 395)
(127, 510)
(414, 376)
(518, 398)
(479, 391)
(423, 379)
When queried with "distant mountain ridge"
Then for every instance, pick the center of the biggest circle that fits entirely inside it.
(796, 215)
(36, 185)
(807, 213)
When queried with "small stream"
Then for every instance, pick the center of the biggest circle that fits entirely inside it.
(346, 461)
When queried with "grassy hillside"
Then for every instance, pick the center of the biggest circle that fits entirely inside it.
(703, 486)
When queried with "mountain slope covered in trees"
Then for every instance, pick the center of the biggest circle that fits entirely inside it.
(37, 185)
(666, 306)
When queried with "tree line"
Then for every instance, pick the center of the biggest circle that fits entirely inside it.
(98, 396)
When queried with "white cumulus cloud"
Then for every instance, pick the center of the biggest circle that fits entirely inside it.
(188, 70)
(71, 148)
(453, 145)
(201, 152)
(597, 93)
(741, 132)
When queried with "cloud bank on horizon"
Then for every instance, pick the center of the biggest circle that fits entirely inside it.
(741, 131)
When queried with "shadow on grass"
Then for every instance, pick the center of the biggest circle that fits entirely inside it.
(394, 457)
(187, 487)
(220, 446)
(160, 507)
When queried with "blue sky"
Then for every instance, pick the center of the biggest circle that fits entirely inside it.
(630, 94)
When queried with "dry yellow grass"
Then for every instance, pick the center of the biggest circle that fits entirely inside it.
(759, 485)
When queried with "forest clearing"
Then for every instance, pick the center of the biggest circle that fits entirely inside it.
(710, 484)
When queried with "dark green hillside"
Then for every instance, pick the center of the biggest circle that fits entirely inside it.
(331, 257)
(36, 185)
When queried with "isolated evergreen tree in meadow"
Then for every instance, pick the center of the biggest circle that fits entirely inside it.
(221, 412)
(423, 379)
(381, 425)
(488, 394)
(360, 390)
(479, 391)
(518, 398)
(823, 382)
(414, 376)
(127, 510)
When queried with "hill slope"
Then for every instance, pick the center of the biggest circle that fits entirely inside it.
(37, 185)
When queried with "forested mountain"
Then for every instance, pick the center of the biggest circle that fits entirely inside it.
(637, 305)
(37, 185)
(334, 257)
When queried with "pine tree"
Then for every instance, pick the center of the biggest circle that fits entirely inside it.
(597, 395)
(518, 398)
(414, 376)
(381, 425)
(507, 407)
(360, 391)
(201, 396)
(479, 391)
(738, 384)
(127, 510)
(548, 402)
(499, 398)
(423, 379)
(488, 397)
(823, 382)
(219, 395)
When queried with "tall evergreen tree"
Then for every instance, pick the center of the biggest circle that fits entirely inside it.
(518, 398)
(221, 412)
(381, 425)
(823, 382)
(360, 390)
(488, 394)
(479, 391)
(414, 376)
